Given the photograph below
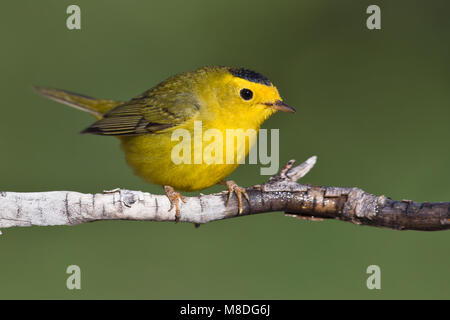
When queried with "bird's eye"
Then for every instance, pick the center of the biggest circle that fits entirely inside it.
(246, 94)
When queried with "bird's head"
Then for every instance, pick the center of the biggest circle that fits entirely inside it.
(244, 93)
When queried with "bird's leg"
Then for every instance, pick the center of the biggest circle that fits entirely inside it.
(234, 188)
(174, 198)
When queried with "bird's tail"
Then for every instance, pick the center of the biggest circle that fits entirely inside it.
(96, 107)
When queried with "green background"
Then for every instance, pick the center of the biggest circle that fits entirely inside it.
(373, 105)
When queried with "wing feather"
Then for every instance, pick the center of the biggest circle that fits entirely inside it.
(152, 112)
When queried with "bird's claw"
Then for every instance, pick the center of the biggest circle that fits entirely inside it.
(239, 191)
(174, 198)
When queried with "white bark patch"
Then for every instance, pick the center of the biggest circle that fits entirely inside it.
(69, 208)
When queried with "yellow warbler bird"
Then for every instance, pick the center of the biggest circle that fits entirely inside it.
(220, 98)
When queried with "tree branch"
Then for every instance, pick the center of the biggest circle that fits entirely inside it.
(280, 193)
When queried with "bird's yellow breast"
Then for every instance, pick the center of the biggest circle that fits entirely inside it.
(151, 156)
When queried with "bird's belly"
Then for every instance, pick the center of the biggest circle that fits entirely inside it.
(150, 156)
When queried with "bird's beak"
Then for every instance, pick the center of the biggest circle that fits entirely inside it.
(281, 106)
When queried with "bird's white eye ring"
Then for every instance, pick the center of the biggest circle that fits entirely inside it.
(246, 94)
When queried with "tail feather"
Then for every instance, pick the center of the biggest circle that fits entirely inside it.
(96, 107)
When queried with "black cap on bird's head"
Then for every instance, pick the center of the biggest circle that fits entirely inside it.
(250, 75)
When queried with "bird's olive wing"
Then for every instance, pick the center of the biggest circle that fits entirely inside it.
(144, 115)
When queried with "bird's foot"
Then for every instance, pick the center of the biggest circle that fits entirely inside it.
(174, 198)
(234, 188)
